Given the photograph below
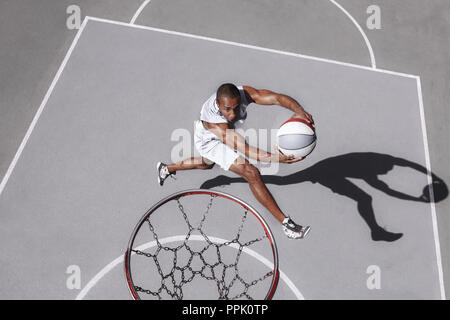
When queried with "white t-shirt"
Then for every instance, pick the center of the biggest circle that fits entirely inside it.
(204, 139)
(210, 111)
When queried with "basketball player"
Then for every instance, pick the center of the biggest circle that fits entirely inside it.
(217, 142)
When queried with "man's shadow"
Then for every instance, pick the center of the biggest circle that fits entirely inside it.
(333, 173)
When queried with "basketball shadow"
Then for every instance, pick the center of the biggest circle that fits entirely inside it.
(334, 172)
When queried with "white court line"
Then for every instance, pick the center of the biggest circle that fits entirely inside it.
(353, 20)
(181, 238)
(237, 44)
(40, 109)
(138, 12)
(366, 39)
(430, 182)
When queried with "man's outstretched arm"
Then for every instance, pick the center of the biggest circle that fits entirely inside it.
(234, 140)
(267, 97)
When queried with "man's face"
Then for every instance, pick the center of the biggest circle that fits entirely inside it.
(229, 107)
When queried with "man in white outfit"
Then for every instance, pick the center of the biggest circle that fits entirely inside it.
(217, 142)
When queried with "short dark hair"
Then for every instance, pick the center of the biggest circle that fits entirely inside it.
(227, 90)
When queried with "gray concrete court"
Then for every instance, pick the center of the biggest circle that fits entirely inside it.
(72, 209)
(95, 176)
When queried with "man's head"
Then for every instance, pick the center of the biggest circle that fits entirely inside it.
(228, 100)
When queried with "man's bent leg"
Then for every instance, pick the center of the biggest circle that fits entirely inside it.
(191, 163)
(251, 174)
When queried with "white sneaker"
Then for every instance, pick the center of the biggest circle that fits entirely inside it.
(163, 172)
(293, 230)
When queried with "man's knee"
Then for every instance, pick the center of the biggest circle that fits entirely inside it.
(251, 173)
(207, 166)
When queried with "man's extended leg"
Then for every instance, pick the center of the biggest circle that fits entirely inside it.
(165, 170)
(252, 175)
(191, 163)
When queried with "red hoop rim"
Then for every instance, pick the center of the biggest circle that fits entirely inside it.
(268, 232)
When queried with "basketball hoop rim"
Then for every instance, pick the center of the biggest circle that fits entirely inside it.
(179, 194)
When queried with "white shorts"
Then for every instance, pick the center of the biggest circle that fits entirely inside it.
(212, 148)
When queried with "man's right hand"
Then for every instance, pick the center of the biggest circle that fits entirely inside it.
(282, 158)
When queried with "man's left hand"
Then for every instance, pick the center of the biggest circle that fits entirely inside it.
(304, 116)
